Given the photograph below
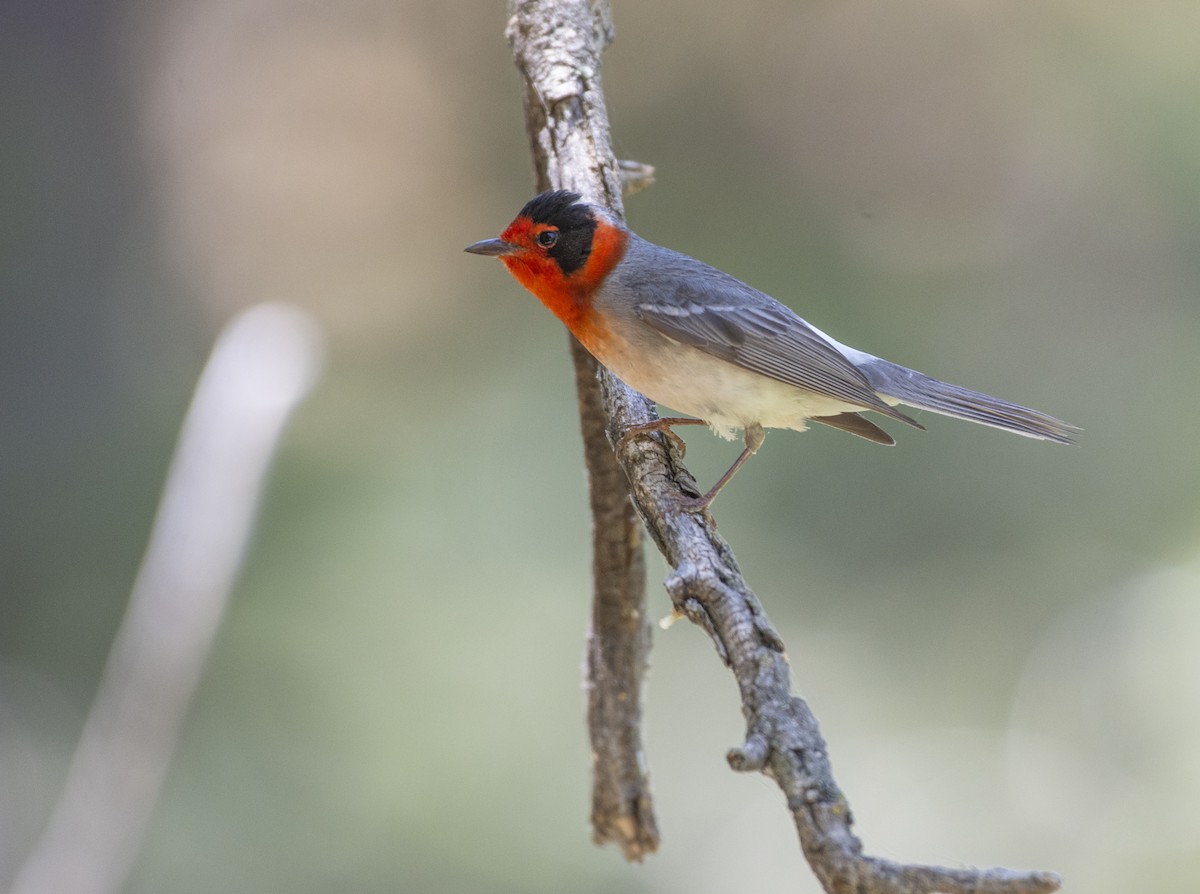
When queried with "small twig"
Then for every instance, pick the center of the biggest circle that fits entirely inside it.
(635, 176)
(263, 364)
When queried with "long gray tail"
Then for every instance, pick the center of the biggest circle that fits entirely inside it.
(919, 390)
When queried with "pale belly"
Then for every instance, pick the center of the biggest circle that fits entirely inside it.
(727, 397)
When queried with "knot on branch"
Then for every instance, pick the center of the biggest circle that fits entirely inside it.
(751, 756)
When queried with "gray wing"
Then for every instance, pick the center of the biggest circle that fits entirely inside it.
(700, 306)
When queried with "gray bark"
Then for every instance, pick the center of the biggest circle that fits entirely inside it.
(557, 45)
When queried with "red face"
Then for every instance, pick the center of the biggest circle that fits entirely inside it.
(561, 250)
(529, 259)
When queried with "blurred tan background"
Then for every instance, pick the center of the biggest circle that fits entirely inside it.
(1000, 637)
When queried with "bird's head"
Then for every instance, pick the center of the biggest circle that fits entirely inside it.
(558, 243)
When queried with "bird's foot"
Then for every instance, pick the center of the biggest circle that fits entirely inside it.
(662, 426)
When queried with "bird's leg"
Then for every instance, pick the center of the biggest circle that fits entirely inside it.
(658, 425)
(754, 439)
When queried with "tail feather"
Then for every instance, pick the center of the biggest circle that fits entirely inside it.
(919, 390)
(859, 425)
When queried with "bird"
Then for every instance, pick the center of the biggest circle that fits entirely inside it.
(701, 342)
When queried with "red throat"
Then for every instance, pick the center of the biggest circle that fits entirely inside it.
(567, 296)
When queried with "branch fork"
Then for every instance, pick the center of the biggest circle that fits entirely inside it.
(556, 45)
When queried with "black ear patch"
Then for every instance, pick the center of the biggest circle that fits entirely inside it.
(576, 226)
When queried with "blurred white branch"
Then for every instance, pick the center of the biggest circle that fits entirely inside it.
(263, 364)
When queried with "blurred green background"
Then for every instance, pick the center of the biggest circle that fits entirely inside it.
(1000, 636)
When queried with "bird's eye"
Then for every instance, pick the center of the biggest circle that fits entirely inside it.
(547, 238)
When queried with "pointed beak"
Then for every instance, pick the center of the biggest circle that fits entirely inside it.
(492, 247)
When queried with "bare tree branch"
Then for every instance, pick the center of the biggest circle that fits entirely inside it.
(263, 364)
(557, 48)
(557, 44)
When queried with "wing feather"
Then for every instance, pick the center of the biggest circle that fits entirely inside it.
(728, 319)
